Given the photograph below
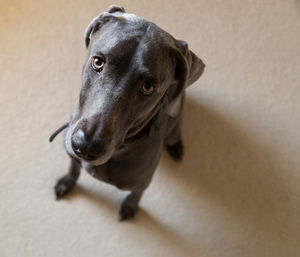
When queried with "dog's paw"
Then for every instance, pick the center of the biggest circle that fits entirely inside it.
(127, 212)
(64, 186)
(176, 151)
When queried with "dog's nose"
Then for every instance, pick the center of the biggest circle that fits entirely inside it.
(85, 148)
(79, 142)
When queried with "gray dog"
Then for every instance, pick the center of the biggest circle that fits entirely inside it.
(130, 105)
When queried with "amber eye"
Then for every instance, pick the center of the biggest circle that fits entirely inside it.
(147, 89)
(97, 63)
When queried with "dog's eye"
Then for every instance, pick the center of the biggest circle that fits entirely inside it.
(147, 89)
(97, 63)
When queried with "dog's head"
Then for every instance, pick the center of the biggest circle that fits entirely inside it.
(131, 66)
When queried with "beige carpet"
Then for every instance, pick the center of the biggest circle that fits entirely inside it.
(237, 192)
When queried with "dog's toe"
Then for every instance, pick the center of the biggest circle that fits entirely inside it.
(63, 187)
(127, 212)
(176, 151)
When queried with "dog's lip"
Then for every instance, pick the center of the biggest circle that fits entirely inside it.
(93, 162)
(134, 131)
(140, 124)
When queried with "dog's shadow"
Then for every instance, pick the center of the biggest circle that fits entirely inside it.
(231, 167)
(235, 169)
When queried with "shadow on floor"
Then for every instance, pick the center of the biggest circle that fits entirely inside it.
(238, 173)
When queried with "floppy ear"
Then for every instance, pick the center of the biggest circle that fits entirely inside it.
(115, 8)
(189, 67)
(96, 23)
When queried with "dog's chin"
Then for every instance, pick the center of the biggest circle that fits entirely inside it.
(99, 161)
(94, 162)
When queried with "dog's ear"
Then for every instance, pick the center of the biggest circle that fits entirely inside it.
(189, 66)
(91, 28)
(96, 23)
(115, 8)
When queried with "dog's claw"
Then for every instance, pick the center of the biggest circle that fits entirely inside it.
(63, 187)
(127, 212)
(176, 151)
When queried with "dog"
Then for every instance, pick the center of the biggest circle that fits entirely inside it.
(130, 105)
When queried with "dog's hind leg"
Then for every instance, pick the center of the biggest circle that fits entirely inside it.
(67, 182)
(130, 205)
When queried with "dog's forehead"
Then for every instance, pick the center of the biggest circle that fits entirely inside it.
(130, 17)
(127, 30)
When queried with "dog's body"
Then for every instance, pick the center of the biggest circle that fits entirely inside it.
(131, 104)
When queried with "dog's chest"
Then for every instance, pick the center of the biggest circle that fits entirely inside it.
(113, 175)
(99, 172)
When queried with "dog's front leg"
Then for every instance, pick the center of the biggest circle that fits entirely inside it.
(130, 205)
(67, 182)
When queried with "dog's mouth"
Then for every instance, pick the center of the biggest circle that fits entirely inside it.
(140, 128)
